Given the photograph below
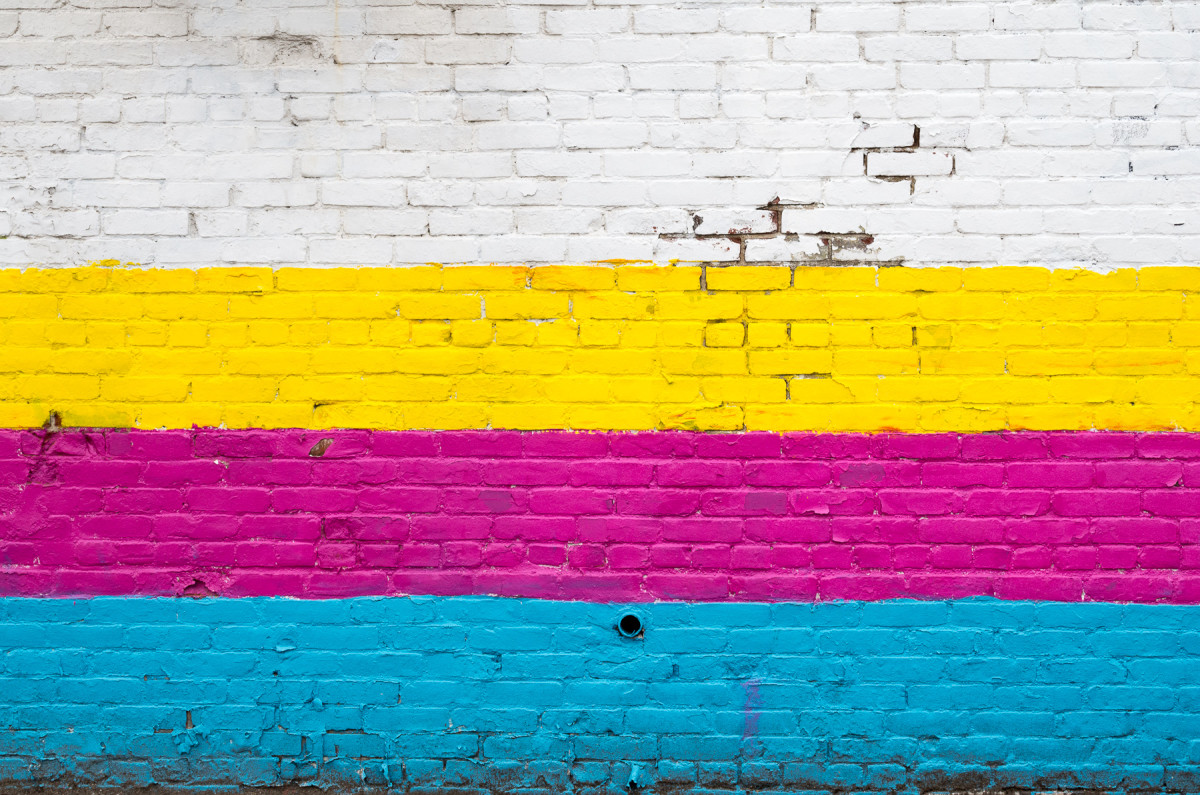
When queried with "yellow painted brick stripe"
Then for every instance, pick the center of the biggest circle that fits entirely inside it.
(622, 347)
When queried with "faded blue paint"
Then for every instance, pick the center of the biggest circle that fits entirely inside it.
(505, 694)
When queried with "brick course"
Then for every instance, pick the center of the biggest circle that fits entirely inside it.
(1055, 516)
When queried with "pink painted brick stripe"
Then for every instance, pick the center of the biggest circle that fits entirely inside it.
(601, 517)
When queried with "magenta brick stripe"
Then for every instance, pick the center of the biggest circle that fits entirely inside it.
(599, 517)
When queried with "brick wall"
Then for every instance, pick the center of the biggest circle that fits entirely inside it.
(500, 695)
(601, 517)
(370, 133)
(608, 348)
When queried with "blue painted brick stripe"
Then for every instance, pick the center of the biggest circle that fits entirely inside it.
(506, 693)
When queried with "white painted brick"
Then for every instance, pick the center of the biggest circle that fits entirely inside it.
(276, 194)
(561, 50)
(1064, 15)
(707, 250)
(943, 17)
(221, 223)
(437, 194)
(817, 49)
(273, 250)
(146, 23)
(858, 18)
(351, 251)
(888, 164)
(942, 76)
(188, 251)
(854, 77)
(383, 164)
(94, 193)
(1166, 163)
(780, 249)
(776, 21)
(601, 193)
(886, 134)
(517, 135)
(519, 192)
(514, 248)
(1090, 45)
(604, 135)
(592, 22)
(561, 163)
(723, 48)
(467, 50)
(594, 248)
(554, 220)
(476, 165)
(195, 194)
(1032, 75)
(728, 222)
(1126, 16)
(566, 129)
(640, 49)
(675, 20)
(497, 20)
(1074, 163)
(853, 192)
(1128, 74)
(234, 22)
(410, 20)
(476, 221)
(364, 193)
(999, 47)
(66, 223)
(422, 250)
(888, 221)
(1046, 192)
(640, 221)
(690, 193)
(739, 165)
(58, 23)
(293, 221)
(320, 81)
(384, 222)
(817, 164)
(673, 77)
(908, 48)
(145, 222)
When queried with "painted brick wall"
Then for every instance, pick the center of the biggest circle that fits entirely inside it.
(608, 348)
(187, 133)
(677, 516)
(495, 695)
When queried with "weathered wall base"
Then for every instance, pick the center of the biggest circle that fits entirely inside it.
(491, 694)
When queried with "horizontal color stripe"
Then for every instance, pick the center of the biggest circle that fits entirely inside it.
(503, 694)
(1063, 516)
(608, 348)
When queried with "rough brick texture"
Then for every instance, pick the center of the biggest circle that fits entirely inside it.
(1109, 517)
(371, 132)
(607, 348)
(479, 696)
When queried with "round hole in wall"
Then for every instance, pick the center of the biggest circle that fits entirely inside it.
(630, 625)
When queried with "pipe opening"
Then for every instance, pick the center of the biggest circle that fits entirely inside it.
(630, 626)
